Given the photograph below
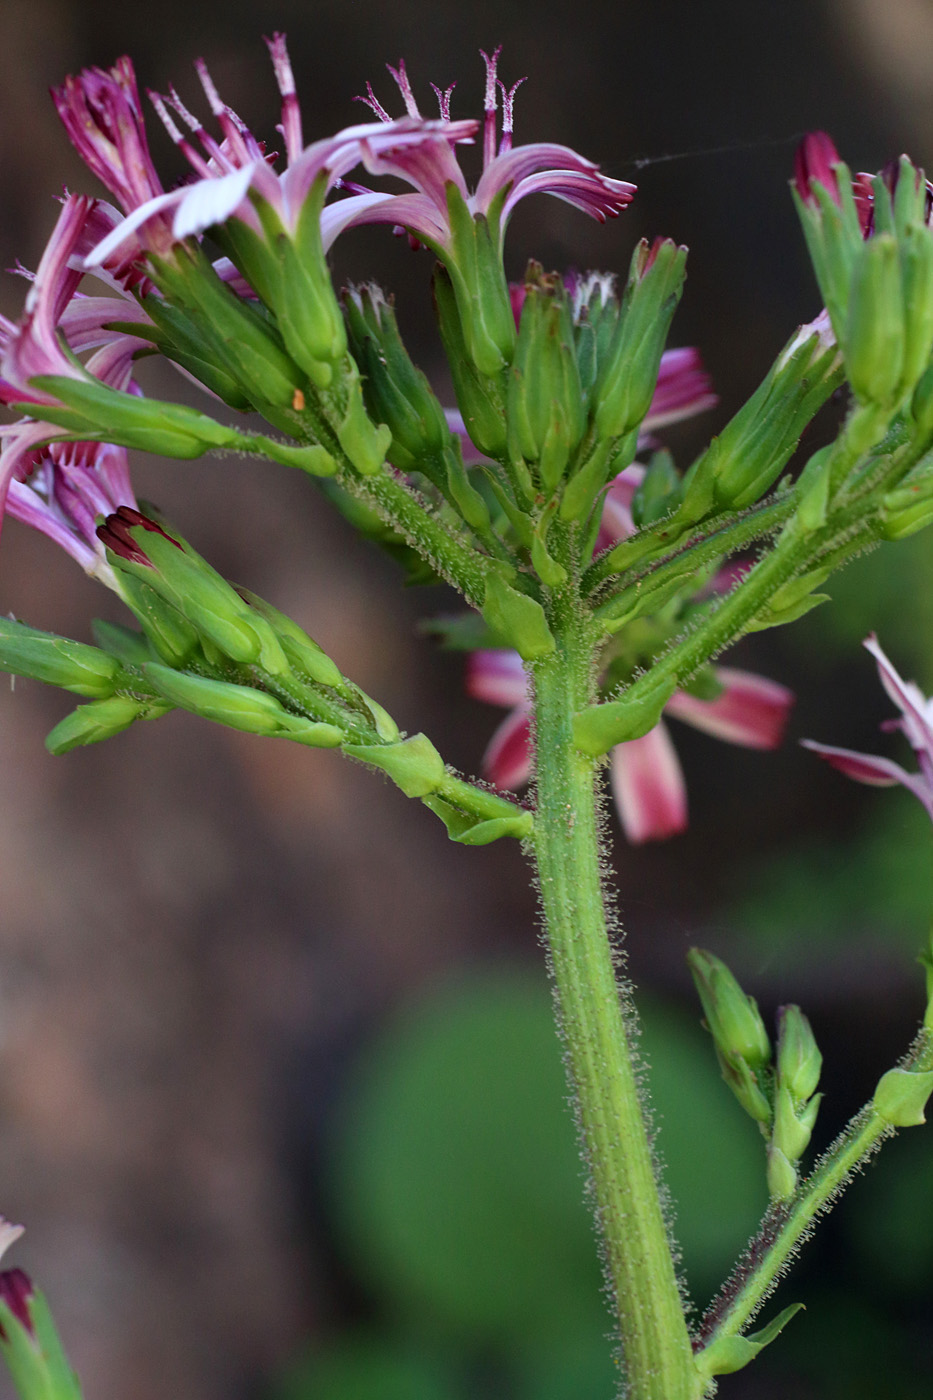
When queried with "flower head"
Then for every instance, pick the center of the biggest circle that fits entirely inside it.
(916, 723)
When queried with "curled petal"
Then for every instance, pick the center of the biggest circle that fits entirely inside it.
(508, 757)
(863, 767)
(498, 677)
(751, 711)
(547, 168)
(648, 787)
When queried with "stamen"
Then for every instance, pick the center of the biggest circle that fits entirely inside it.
(210, 92)
(184, 145)
(372, 102)
(489, 105)
(404, 87)
(508, 104)
(443, 100)
(291, 112)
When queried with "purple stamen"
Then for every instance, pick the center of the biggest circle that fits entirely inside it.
(291, 112)
(404, 87)
(508, 105)
(181, 141)
(372, 102)
(443, 100)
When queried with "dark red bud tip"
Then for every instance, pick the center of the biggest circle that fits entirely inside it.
(16, 1291)
(115, 535)
(131, 516)
(815, 159)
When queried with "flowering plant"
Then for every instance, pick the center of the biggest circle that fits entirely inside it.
(603, 584)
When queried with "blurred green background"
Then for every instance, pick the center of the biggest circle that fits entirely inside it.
(280, 1101)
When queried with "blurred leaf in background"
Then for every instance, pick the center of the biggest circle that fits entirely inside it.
(458, 1188)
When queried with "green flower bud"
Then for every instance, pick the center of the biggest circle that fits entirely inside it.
(303, 653)
(95, 413)
(239, 707)
(546, 415)
(901, 1097)
(141, 549)
(306, 311)
(413, 764)
(627, 379)
(42, 656)
(733, 1019)
(480, 397)
(232, 332)
(102, 719)
(798, 1060)
(916, 259)
(474, 266)
(598, 728)
(396, 393)
(875, 332)
(171, 634)
(752, 450)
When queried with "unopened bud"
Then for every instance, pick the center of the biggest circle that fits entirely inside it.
(43, 656)
(545, 398)
(102, 719)
(874, 332)
(733, 1018)
(239, 707)
(480, 397)
(627, 380)
(474, 264)
(798, 1060)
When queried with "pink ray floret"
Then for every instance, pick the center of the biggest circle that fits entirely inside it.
(915, 722)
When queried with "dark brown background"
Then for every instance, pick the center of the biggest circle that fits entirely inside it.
(196, 925)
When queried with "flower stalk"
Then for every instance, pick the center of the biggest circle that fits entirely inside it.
(657, 1355)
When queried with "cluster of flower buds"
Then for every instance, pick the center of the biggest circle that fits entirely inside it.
(777, 1089)
(872, 249)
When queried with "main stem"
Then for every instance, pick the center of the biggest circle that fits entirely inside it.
(657, 1352)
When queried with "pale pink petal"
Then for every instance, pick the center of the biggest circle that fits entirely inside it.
(908, 698)
(210, 202)
(8, 1234)
(507, 760)
(863, 767)
(683, 388)
(751, 710)
(648, 787)
(497, 676)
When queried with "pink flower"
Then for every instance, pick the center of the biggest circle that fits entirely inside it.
(235, 166)
(916, 722)
(54, 486)
(646, 778)
(509, 174)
